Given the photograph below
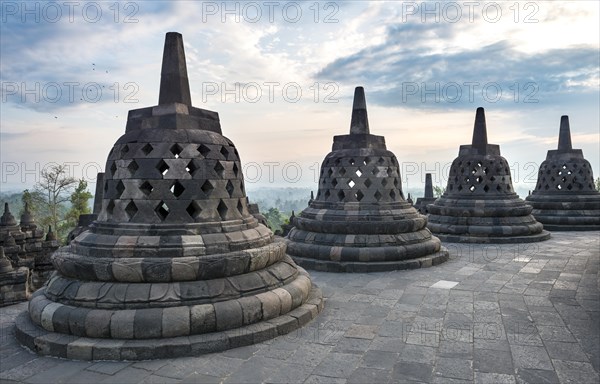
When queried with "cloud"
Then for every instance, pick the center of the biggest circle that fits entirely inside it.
(404, 70)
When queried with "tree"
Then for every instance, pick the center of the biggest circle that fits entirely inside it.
(438, 191)
(598, 184)
(31, 199)
(52, 192)
(275, 219)
(79, 206)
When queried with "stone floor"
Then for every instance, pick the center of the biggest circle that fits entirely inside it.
(492, 314)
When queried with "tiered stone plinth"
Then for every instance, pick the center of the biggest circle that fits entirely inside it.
(175, 264)
(359, 220)
(13, 282)
(25, 245)
(422, 202)
(565, 197)
(479, 204)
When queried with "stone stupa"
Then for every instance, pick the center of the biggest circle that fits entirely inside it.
(13, 282)
(359, 220)
(565, 197)
(422, 202)
(175, 264)
(479, 204)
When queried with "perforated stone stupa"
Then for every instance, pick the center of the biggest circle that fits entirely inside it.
(175, 264)
(565, 197)
(359, 220)
(422, 202)
(479, 204)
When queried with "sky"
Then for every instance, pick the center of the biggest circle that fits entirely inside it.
(282, 75)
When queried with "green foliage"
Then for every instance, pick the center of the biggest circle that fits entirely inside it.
(597, 184)
(275, 218)
(438, 191)
(79, 206)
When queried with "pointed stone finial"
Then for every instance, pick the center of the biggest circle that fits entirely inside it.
(480, 140)
(50, 236)
(564, 135)
(360, 121)
(7, 218)
(312, 195)
(428, 186)
(174, 84)
(293, 215)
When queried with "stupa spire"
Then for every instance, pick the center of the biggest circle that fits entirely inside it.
(174, 84)
(428, 186)
(360, 121)
(480, 140)
(564, 135)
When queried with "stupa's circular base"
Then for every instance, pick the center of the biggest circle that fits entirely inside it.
(453, 238)
(67, 346)
(372, 266)
(571, 227)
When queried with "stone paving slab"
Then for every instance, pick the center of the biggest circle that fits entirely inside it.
(518, 314)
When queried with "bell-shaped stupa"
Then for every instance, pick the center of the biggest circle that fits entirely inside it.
(175, 264)
(565, 197)
(479, 204)
(359, 220)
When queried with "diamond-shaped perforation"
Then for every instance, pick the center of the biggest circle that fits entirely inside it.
(110, 207)
(162, 210)
(486, 188)
(366, 161)
(177, 189)
(222, 210)
(132, 167)
(358, 172)
(124, 150)
(381, 161)
(327, 194)
(131, 209)
(368, 183)
(207, 187)
(377, 195)
(341, 195)
(393, 194)
(224, 152)
(162, 167)
(330, 172)
(176, 150)
(229, 187)
(334, 182)
(193, 210)
(342, 171)
(204, 150)
(384, 182)
(240, 207)
(351, 161)
(146, 149)
(351, 183)
(120, 189)
(146, 188)
(191, 167)
(113, 168)
(235, 169)
(359, 195)
(219, 168)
